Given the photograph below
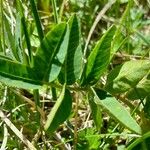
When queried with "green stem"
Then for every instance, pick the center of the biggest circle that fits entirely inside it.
(61, 10)
(36, 97)
(55, 11)
(53, 89)
(2, 28)
(37, 102)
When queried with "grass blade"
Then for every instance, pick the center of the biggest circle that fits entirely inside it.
(37, 20)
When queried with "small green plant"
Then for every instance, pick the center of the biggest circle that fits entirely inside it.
(75, 75)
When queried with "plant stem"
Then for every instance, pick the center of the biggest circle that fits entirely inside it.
(2, 27)
(76, 120)
(55, 11)
(37, 102)
(38, 115)
(53, 89)
(61, 10)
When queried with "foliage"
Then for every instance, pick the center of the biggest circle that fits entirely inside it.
(59, 91)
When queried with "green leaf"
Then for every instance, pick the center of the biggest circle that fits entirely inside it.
(60, 111)
(59, 59)
(37, 19)
(28, 59)
(74, 52)
(115, 109)
(1, 48)
(10, 39)
(52, 52)
(99, 58)
(18, 39)
(96, 112)
(141, 90)
(18, 75)
(127, 76)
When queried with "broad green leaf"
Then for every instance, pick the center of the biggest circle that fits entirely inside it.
(99, 58)
(74, 53)
(59, 59)
(18, 75)
(127, 76)
(52, 51)
(60, 111)
(115, 109)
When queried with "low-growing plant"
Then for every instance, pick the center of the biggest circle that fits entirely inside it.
(59, 91)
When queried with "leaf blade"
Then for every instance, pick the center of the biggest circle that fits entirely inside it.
(18, 75)
(99, 58)
(74, 53)
(47, 53)
(127, 76)
(60, 111)
(113, 107)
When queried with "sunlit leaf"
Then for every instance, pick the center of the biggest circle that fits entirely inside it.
(74, 54)
(52, 51)
(99, 58)
(115, 109)
(141, 90)
(127, 76)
